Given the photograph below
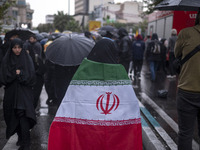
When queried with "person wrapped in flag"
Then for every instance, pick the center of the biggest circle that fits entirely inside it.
(100, 110)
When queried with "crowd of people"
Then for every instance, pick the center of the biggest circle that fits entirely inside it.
(24, 71)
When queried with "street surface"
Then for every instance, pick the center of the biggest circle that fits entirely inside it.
(159, 116)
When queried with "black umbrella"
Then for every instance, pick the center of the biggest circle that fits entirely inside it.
(103, 30)
(23, 34)
(184, 5)
(39, 36)
(44, 34)
(57, 35)
(69, 50)
(108, 28)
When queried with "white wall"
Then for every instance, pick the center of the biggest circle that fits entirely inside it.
(162, 27)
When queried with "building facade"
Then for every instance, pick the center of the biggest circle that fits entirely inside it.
(19, 15)
(106, 11)
(127, 12)
(85, 8)
(49, 19)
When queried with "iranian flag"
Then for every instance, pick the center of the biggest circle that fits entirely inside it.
(99, 111)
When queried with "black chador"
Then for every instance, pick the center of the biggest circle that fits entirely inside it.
(104, 51)
(19, 113)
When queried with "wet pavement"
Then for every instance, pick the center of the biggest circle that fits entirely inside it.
(146, 91)
(40, 132)
(163, 110)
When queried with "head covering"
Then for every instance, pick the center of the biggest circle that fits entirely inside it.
(139, 37)
(163, 40)
(154, 36)
(174, 32)
(104, 51)
(16, 41)
(12, 62)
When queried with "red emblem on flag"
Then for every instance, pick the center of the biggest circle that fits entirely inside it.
(107, 105)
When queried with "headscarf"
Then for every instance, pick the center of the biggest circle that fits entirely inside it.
(12, 62)
(154, 36)
(138, 37)
(104, 51)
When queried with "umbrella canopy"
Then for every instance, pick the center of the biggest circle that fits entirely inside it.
(67, 32)
(39, 36)
(23, 34)
(56, 35)
(44, 34)
(69, 50)
(184, 5)
(102, 31)
(108, 28)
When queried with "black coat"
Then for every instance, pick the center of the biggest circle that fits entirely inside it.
(18, 88)
(104, 51)
(150, 56)
(35, 51)
(63, 76)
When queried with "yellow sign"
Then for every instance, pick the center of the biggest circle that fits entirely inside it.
(94, 25)
(57, 31)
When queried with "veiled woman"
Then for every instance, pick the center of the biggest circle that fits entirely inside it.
(17, 74)
(100, 109)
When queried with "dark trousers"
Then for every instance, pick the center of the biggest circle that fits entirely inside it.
(37, 89)
(63, 76)
(137, 66)
(153, 66)
(188, 106)
(49, 82)
(23, 131)
(125, 64)
(171, 67)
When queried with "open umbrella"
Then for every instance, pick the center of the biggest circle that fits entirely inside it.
(69, 50)
(23, 34)
(39, 36)
(184, 5)
(44, 34)
(103, 30)
(108, 28)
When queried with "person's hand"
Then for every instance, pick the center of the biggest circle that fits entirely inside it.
(27, 51)
(17, 71)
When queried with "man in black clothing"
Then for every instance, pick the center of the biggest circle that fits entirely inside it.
(124, 44)
(34, 49)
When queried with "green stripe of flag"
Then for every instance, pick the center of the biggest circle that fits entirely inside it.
(90, 70)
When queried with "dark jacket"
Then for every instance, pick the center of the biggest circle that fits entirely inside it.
(35, 51)
(138, 49)
(171, 45)
(124, 44)
(150, 54)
